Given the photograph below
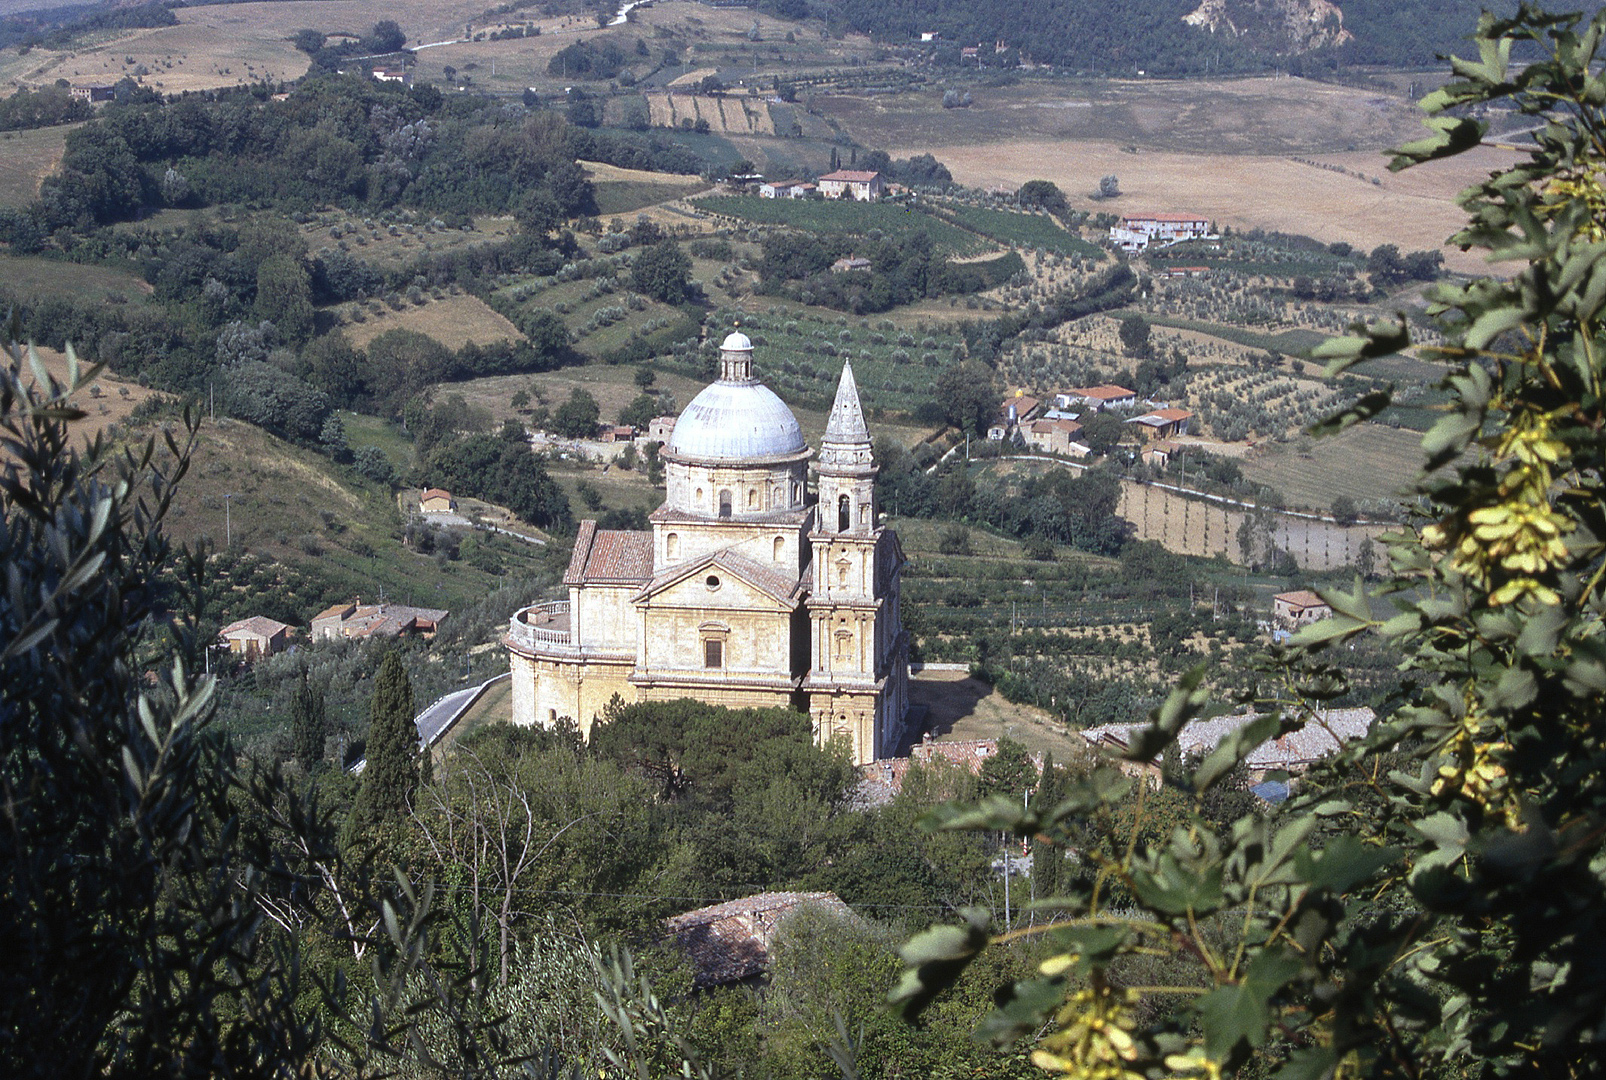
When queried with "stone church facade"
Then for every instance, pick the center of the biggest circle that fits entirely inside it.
(748, 591)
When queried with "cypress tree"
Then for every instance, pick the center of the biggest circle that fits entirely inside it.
(1048, 861)
(308, 725)
(392, 770)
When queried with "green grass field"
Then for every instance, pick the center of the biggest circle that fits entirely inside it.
(1287, 342)
(1367, 461)
(1024, 230)
(30, 276)
(628, 196)
(845, 216)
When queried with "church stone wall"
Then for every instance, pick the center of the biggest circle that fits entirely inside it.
(604, 617)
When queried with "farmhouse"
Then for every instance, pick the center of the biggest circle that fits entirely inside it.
(1184, 271)
(1137, 231)
(1055, 437)
(618, 433)
(94, 92)
(1163, 423)
(1097, 398)
(1322, 736)
(851, 183)
(1299, 608)
(395, 75)
(852, 262)
(785, 189)
(748, 592)
(660, 428)
(382, 620)
(729, 943)
(256, 637)
(437, 501)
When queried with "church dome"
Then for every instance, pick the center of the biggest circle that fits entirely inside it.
(732, 421)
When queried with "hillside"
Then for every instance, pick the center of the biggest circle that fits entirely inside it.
(1181, 36)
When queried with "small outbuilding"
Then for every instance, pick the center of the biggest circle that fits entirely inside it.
(436, 501)
(256, 637)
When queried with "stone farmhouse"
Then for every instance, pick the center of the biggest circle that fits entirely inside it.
(1055, 436)
(359, 620)
(1322, 736)
(1137, 231)
(785, 189)
(1107, 396)
(854, 183)
(730, 943)
(1291, 610)
(1162, 423)
(436, 501)
(748, 591)
(256, 637)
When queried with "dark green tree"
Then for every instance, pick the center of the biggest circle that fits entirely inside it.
(640, 412)
(662, 272)
(284, 296)
(1134, 331)
(308, 725)
(1009, 771)
(966, 396)
(391, 774)
(1042, 195)
(577, 418)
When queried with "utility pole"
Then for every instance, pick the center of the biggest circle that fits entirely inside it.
(228, 521)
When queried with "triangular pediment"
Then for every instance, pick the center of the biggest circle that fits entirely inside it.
(742, 583)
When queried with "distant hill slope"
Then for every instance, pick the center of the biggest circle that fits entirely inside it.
(1185, 36)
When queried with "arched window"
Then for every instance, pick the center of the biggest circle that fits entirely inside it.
(842, 568)
(844, 645)
(699, 500)
(725, 503)
(752, 498)
(672, 546)
(780, 548)
(864, 513)
(844, 514)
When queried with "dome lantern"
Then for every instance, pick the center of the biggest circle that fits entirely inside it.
(736, 359)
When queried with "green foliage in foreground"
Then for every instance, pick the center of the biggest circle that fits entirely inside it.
(1434, 902)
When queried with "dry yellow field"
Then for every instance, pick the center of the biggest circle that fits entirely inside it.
(1417, 212)
(454, 322)
(114, 401)
(26, 158)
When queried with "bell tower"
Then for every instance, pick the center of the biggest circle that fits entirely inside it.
(856, 635)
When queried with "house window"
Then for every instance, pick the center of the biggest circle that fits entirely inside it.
(713, 653)
(844, 514)
(725, 504)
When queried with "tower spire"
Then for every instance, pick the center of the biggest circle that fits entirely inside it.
(846, 444)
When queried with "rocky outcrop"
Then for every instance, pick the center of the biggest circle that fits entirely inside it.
(1287, 26)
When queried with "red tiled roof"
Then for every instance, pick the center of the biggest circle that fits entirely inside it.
(851, 176)
(256, 624)
(1107, 392)
(1170, 218)
(333, 611)
(604, 556)
(1169, 415)
(730, 942)
(436, 493)
(1300, 598)
(1069, 427)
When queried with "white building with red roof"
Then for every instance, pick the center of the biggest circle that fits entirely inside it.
(853, 183)
(1137, 231)
(749, 590)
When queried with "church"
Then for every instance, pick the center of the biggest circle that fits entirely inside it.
(749, 591)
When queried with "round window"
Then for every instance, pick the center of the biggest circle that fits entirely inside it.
(713, 581)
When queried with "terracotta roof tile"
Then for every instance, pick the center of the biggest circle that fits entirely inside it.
(603, 556)
(1300, 598)
(852, 176)
(256, 624)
